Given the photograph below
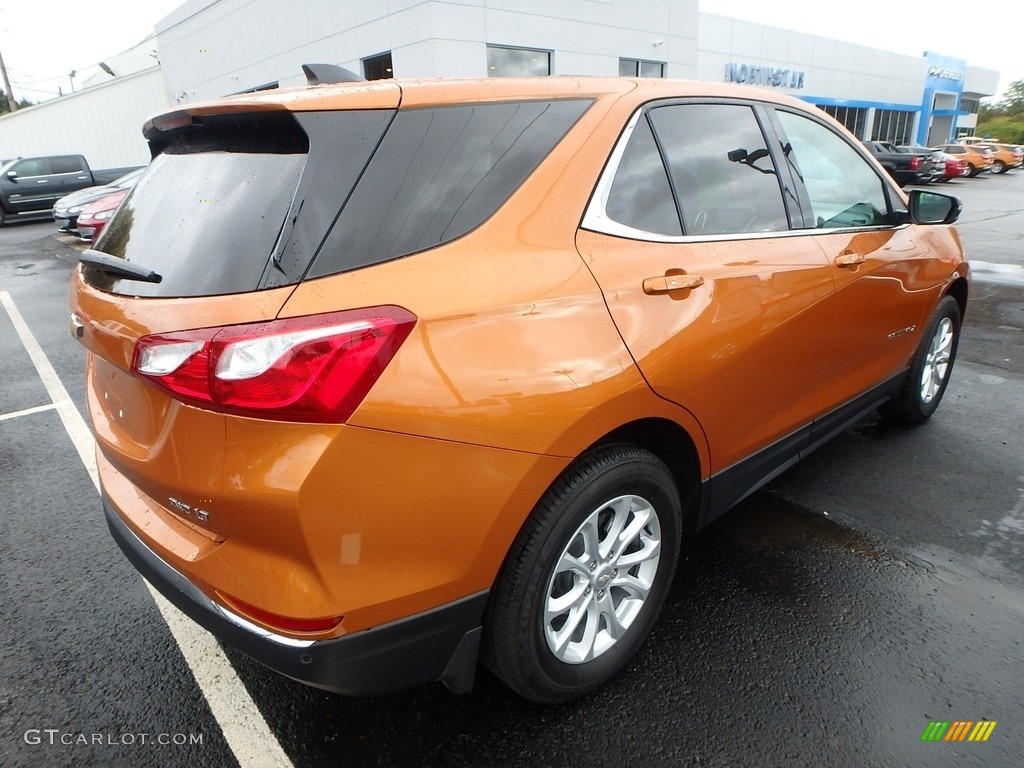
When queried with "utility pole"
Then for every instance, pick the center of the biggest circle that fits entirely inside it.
(7, 86)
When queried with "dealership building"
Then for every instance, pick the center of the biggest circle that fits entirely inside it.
(211, 48)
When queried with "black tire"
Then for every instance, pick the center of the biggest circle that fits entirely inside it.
(515, 644)
(999, 167)
(916, 402)
(3, 216)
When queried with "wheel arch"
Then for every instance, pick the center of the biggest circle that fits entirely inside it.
(670, 441)
(958, 289)
(675, 447)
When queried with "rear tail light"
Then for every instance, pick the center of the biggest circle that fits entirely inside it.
(315, 369)
(914, 162)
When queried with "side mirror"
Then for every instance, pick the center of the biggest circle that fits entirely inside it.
(12, 175)
(933, 207)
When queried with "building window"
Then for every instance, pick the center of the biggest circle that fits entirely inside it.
(971, 106)
(378, 67)
(853, 118)
(641, 68)
(258, 88)
(892, 125)
(517, 62)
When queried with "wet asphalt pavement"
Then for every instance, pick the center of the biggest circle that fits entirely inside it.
(875, 587)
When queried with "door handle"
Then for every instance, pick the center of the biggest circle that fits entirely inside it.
(849, 259)
(42, 181)
(667, 283)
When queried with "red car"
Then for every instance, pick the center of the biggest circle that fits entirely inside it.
(953, 167)
(96, 214)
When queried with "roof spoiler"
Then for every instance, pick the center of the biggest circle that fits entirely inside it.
(325, 74)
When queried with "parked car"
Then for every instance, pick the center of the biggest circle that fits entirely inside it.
(904, 167)
(96, 214)
(488, 353)
(1004, 156)
(954, 167)
(67, 209)
(938, 158)
(979, 159)
(29, 186)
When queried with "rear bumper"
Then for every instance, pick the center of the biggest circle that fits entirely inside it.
(438, 645)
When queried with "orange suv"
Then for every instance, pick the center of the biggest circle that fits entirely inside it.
(1004, 156)
(978, 157)
(386, 377)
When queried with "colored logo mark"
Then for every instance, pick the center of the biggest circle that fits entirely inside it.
(959, 730)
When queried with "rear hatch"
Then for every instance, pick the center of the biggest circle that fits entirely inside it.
(217, 233)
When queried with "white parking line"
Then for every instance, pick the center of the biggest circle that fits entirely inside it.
(28, 411)
(244, 728)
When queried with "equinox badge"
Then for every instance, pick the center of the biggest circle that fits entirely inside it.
(199, 514)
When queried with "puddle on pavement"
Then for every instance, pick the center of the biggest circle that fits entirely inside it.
(788, 549)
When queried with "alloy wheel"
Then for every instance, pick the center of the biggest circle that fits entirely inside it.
(936, 364)
(602, 579)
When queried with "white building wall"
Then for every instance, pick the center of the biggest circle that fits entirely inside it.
(833, 70)
(211, 48)
(981, 81)
(104, 123)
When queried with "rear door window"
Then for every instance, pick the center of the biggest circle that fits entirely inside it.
(66, 164)
(721, 168)
(640, 196)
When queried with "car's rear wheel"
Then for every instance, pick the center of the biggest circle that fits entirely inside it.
(586, 576)
(930, 370)
(998, 167)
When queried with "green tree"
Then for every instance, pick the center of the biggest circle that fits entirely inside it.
(1013, 100)
(5, 105)
(1008, 129)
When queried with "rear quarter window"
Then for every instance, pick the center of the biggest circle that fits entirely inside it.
(440, 173)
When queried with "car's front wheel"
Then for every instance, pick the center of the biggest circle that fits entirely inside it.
(999, 167)
(586, 576)
(930, 370)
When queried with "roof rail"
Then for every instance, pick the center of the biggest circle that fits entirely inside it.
(325, 74)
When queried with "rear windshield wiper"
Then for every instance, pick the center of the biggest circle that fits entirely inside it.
(112, 265)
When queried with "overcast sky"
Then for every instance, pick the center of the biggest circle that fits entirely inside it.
(43, 40)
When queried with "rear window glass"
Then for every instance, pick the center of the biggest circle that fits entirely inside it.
(207, 213)
(66, 164)
(438, 174)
